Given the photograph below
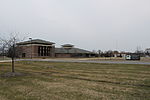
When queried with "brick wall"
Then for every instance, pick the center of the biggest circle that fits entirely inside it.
(63, 55)
(27, 50)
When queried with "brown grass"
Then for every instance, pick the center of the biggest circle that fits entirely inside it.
(76, 81)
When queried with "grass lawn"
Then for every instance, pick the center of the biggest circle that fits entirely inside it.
(4, 58)
(75, 81)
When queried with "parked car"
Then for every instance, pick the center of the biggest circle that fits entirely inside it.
(132, 57)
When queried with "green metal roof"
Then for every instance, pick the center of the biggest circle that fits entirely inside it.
(67, 45)
(35, 41)
(71, 50)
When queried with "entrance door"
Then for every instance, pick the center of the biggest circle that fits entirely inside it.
(23, 55)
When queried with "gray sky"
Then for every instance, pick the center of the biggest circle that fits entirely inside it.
(89, 24)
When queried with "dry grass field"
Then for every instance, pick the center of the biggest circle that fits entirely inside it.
(4, 58)
(75, 81)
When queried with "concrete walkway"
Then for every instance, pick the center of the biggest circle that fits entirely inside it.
(5, 60)
(86, 61)
(82, 61)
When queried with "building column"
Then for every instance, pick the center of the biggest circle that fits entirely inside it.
(52, 51)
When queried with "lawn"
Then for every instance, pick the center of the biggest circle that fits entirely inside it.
(4, 58)
(75, 81)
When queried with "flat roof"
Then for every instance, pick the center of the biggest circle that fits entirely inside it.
(35, 41)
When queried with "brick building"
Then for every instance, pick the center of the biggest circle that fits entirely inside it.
(35, 49)
(38, 48)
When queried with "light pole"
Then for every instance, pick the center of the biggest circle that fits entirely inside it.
(31, 47)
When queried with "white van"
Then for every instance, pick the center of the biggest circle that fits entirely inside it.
(132, 57)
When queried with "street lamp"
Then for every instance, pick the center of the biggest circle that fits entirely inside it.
(31, 46)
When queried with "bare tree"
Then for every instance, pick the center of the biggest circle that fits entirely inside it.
(99, 53)
(9, 44)
(2, 46)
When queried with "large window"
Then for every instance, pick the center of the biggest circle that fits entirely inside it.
(43, 51)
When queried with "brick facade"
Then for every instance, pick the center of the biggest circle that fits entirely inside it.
(38, 48)
(34, 51)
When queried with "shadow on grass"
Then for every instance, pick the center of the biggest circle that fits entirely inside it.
(104, 81)
(12, 74)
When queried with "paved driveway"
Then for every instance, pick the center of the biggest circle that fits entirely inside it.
(86, 61)
(5, 60)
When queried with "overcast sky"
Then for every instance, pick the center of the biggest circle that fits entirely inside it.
(88, 24)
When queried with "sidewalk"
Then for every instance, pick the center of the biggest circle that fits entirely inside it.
(82, 61)
(5, 60)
